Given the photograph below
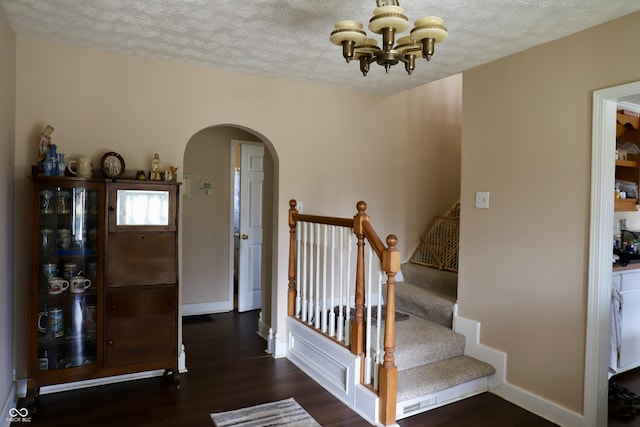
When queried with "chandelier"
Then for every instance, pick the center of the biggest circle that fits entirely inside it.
(389, 19)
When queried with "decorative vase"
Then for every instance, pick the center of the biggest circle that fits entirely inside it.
(49, 167)
(61, 165)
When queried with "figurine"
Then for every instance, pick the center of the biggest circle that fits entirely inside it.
(156, 168)
(141, 176)
(45, 143)
(170, 174)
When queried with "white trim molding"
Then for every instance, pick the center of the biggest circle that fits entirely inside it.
(599, 282)
(207, 308)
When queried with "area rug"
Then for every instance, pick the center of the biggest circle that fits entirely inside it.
(282, 413)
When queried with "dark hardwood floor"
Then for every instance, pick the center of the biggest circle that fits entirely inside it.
(228, 369)
(631, 381)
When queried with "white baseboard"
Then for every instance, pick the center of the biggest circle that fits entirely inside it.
(471, 331)
(539, 405)
(10, 408)
(279, 347)
(263, 328)
(182, 360)
(22, 383)
(206, 308)
(100, 381)
(498, 382)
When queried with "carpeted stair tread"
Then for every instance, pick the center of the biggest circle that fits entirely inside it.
(427, 292)
(438, 376)
(421, 342)
(425, 303)
(439, 281)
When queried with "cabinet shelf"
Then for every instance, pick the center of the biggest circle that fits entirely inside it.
(627, 163)
(627, 170)
(626, 205)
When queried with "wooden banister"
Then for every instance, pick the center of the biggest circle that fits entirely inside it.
(389, 256)
(388, 370)
(357, 324)
(318, 219)
(372, 237)
(291, 290)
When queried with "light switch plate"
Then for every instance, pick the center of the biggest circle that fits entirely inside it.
(482, 199)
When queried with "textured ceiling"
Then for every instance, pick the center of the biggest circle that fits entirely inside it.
(289, 39)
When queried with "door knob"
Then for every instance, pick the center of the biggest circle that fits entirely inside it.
(244, 237)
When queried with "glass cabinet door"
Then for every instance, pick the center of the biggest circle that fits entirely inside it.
(67, 257)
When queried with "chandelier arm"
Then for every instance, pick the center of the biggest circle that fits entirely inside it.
(428, 47)
(388, 38)
(348, 48)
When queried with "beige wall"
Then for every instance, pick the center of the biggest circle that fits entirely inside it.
(526, 138)
(330, 147)
(7, 118)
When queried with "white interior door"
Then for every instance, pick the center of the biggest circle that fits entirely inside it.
(250, 258)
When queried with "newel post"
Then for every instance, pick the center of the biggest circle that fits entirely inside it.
(291, 294)
(388, 370)
(357, 324)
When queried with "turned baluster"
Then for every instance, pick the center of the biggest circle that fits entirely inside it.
(357, 324)
(291, 294)
(388, 389)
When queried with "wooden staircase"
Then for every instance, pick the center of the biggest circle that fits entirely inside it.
(433, 369)
(385, 370)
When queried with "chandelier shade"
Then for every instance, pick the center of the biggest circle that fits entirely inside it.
(388, 20)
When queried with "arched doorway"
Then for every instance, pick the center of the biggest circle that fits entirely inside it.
(207, 212)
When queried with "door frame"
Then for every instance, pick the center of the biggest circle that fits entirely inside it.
(595, 404)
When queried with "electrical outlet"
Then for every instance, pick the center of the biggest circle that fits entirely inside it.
(299, 207)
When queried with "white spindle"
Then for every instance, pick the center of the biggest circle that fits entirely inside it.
(325, 268)
(312, 268)
(350, 284)
(316, 315)
(305, 267)
(379, 329)
(332, 314)
(298, 252)
(339, 334)
(367, 341)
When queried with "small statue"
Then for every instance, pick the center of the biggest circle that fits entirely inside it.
(170, 175)
(45, 143)
(156, 168)
(141, 176)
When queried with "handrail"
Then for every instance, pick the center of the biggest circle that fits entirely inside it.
(389, 256)
(328, 220)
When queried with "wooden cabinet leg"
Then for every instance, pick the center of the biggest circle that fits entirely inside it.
(32, 396)
(170, 375)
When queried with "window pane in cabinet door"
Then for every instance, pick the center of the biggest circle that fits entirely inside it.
(67, 298)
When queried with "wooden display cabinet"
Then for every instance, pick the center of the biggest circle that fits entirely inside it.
(122, 237)
(67, 240)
